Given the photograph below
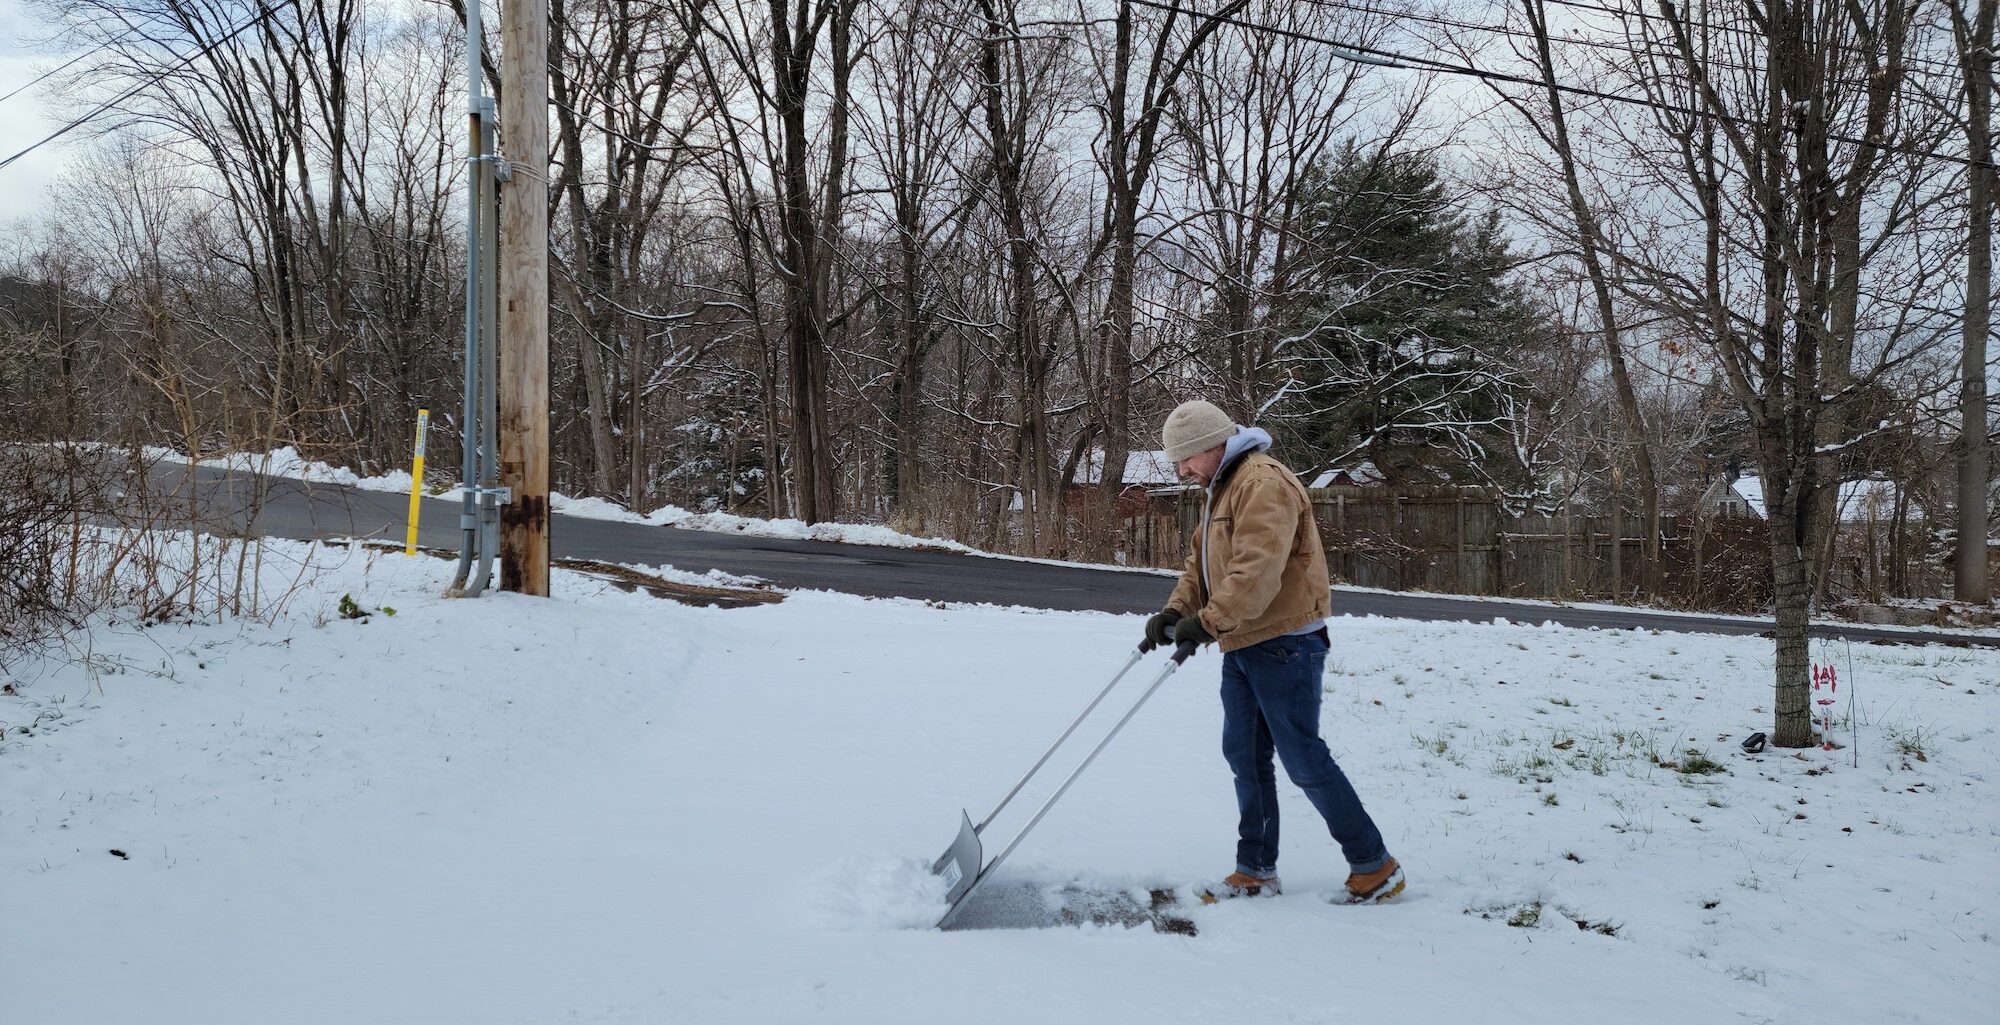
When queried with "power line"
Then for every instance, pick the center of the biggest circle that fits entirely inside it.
(1394, 59)
(125, 36)
(1516, 33)
(39, 79)
(264, 14)
(1640, 15)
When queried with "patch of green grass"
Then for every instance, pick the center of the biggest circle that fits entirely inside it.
(351, 609)
(1437, 745)
(1909, 743)
(1695, 762)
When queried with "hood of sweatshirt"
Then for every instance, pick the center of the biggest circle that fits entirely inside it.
(1245, 441)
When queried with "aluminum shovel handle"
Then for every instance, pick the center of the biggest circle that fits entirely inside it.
(1046, 755)
(1181, 654)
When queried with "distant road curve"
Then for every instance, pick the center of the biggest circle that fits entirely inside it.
(295, 509)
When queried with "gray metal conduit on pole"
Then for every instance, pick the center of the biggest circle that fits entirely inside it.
(488, 255)
(469, 469)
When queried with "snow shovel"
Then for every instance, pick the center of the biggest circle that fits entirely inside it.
(961, 863)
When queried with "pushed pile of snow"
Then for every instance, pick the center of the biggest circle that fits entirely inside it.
(604, 807)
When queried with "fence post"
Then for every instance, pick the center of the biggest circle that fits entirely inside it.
(1458, 569)
(1569, 549)
(1340, 531)
(1589, 552)
(1395, 534)
(1617, 552)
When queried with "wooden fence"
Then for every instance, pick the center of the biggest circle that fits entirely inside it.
(1461, 541)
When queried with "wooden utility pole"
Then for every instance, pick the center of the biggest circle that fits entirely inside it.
(524, 296)
(1975, 47)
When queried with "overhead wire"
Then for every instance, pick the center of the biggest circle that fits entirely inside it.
(44, 76)
(263, 14)
(1640, 15)
(1395, 59)
(1512, 32)
(125, 36)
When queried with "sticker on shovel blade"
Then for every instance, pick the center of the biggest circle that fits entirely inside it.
(952, 874)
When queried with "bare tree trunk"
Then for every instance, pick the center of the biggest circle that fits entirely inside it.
(1007, 142)
(1788, 562)
(809, 215)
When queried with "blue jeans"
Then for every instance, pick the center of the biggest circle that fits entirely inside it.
(1270, 702)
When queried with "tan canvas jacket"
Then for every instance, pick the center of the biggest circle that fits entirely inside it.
(1266, 567)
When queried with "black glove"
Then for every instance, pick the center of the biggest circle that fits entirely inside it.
(1156, 629)
(1191, 631)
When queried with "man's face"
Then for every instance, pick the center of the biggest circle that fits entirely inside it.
(1201, 466)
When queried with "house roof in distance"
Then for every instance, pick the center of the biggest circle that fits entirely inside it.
(1142, 468)
(1860, 500)
(1362, 473)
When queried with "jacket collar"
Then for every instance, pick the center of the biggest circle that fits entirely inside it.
(1237, 451)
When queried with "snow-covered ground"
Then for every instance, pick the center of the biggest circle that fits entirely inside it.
(604, 807)
(1528, 610)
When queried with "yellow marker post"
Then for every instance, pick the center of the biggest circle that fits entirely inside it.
(417, 482)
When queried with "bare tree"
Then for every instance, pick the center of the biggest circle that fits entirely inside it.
(1259, 112)
(800, 245)
(618, 75)
(1588, 234)
(1974, 37)
(913, 130)
(1140, 76)
(1781, 125)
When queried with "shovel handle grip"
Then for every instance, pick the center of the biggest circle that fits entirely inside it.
(1183, 650)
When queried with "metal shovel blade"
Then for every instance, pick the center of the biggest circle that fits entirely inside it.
(961, 863)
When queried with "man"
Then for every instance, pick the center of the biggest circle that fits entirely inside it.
(1256, 584)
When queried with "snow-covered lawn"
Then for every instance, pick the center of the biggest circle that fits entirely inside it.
(606, 807)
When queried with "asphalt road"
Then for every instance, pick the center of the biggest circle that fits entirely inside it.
(295, 509)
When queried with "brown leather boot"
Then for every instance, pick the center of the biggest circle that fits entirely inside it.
(1240, 884)
(1374, 887)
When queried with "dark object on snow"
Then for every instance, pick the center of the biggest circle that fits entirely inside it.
(121, 854)
(1753, 743)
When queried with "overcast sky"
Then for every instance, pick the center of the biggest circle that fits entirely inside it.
(24, 118)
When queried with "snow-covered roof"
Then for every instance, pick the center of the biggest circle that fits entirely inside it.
(1363, 472)
(1150, 469)
(1860, 500)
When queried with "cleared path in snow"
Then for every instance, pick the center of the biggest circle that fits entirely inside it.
(300, 510)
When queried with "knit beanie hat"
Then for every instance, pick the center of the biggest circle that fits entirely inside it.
(1195, 427)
